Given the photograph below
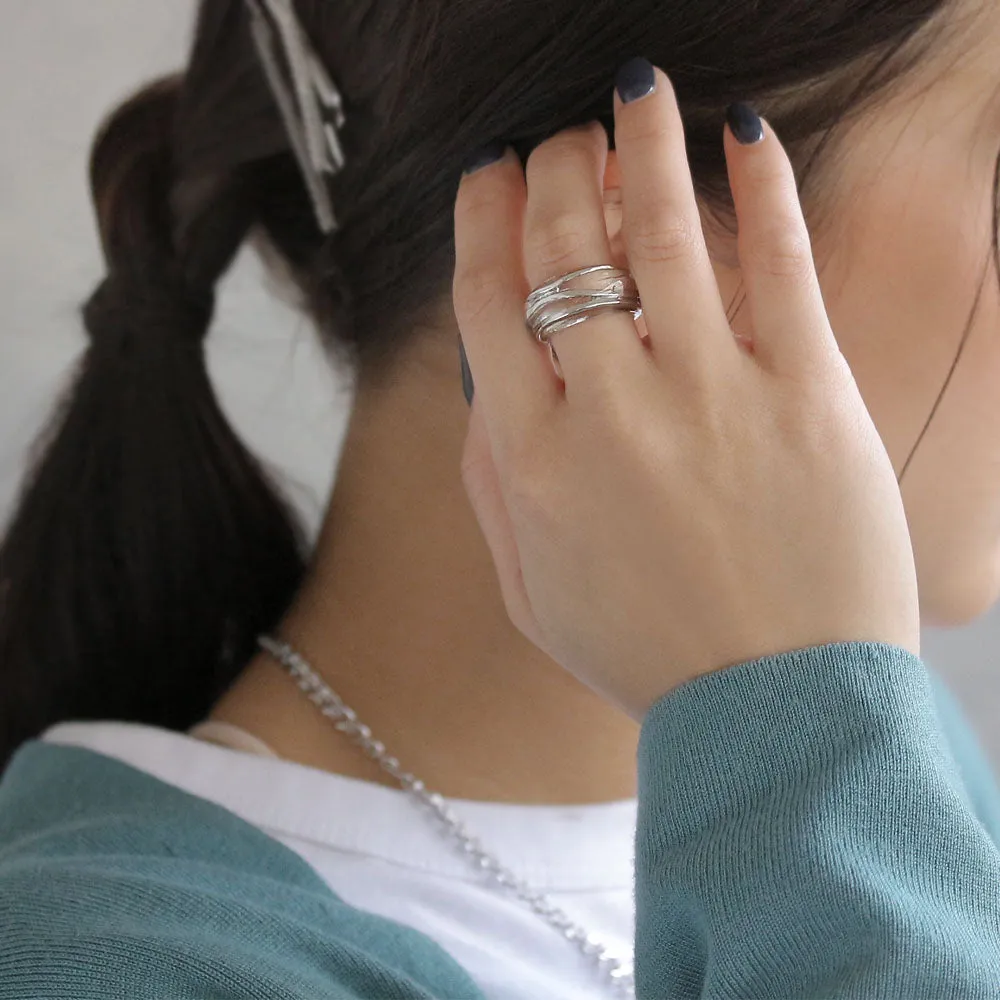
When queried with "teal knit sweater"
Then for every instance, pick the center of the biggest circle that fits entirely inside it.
(820, 824)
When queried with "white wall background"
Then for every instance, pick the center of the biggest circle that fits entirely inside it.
(63, 64)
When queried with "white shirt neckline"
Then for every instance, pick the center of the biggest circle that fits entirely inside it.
(555, 848)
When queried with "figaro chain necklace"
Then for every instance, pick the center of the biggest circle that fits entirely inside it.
(312, 110)
(614, 971)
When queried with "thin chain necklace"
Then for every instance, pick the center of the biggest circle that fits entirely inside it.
(614, 971)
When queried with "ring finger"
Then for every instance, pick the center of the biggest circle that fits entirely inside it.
(565, 229)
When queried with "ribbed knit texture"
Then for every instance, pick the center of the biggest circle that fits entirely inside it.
(820, 824)
(804, 831)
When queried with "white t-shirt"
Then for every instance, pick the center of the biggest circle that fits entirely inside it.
(382, 851)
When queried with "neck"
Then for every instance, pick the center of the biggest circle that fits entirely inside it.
(402, 616)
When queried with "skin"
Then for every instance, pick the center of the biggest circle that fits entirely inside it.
(402, 613)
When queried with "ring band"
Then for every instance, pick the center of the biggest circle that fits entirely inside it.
(575, 297)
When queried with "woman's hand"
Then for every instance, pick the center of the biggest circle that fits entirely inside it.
(682, 503)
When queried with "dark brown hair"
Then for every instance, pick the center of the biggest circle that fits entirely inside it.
(149, 549)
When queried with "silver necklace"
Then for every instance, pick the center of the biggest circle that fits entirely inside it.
(616, 972)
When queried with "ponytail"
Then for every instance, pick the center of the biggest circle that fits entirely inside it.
(148, 549)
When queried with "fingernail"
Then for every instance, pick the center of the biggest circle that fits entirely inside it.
(635, 79)
(745, 123)
(490, 153)
(468, 386)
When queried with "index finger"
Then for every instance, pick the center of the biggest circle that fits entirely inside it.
(515, 384)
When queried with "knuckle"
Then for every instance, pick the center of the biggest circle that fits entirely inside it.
(642, 129)
(661, 235)
(478, 199)
(570, 145)
(481, 200)
(557, 239)
(477, 293)
(783, 252)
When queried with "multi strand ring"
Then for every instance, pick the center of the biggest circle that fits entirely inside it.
(573, 298)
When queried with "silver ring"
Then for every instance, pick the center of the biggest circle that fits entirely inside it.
(573, 298)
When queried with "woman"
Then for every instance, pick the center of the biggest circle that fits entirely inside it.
(679, 547)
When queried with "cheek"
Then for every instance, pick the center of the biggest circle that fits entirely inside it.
(901, 285)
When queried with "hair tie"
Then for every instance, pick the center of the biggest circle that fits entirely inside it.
(126, 309)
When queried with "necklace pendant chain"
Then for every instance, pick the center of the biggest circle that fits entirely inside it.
(616, 972)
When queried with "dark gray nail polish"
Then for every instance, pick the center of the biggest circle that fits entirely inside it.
(635, 79)
(490, 153)
(745, 123)
(468, 386)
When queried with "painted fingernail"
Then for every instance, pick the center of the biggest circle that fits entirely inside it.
(635, 79)
(468, 386)
(490, 153)
(745, 123)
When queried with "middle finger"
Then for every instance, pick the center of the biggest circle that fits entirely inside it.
(667, 252)
(565, 229)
